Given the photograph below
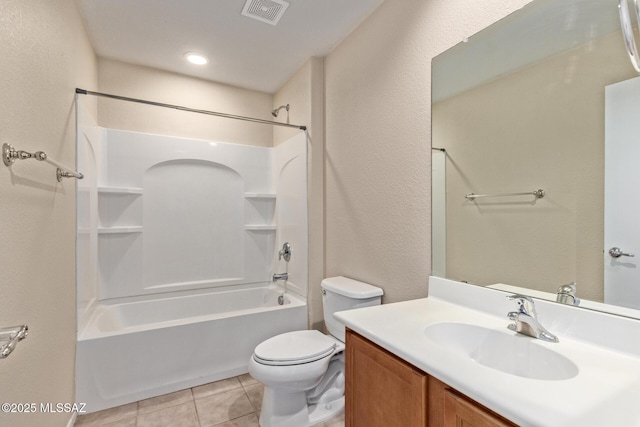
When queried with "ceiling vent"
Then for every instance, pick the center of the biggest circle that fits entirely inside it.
(269, 11)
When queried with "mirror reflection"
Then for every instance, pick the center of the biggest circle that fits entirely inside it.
(545, 99)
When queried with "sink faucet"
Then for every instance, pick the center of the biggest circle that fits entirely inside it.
(525, 320)
(567, 294)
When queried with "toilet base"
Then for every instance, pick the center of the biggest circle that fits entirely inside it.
(325, 411)
(282, 407)
(293, 410)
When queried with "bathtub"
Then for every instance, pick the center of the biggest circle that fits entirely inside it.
(137, 348)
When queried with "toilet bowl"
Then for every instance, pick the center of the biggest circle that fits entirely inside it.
(303, 371)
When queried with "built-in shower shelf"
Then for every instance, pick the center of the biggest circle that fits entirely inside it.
(120, 230)
(120, 190)
(260, 227)
(259, 196)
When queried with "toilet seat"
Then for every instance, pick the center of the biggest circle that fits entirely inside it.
(294, 348)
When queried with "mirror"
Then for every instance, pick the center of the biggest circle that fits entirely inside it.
(521, 107)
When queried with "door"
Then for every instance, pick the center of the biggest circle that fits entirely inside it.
(622, 195)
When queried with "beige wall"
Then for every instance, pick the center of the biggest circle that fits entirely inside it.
(45, 55)
(297, 93)
(135, 81)
(305, 94)
(542, 127)
(378, 139)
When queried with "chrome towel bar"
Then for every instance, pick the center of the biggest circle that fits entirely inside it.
(539, 194)
(10, 337)
(10, 155)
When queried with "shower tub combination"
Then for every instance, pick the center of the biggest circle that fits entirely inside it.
(151, 346)
(176, 248)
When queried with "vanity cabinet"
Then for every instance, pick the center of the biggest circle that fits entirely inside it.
(450, 408)
(383, 390)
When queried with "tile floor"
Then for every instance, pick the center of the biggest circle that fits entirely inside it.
(234, 402)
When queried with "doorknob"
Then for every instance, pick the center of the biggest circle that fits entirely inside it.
(617, 253)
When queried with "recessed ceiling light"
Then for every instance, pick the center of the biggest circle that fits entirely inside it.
(196, 58)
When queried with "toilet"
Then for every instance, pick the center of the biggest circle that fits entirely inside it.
(303, 371)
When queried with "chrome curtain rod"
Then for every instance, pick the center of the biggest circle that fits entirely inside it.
(191, 110)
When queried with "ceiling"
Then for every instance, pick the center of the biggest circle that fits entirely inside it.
(243, 51)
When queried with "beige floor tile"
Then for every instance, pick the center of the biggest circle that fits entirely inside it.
(111, 415)
(255, 393)
(250, 420)
(164, 401)
(216, 387)
(247, 380)
(129, 422)
(182, 415)
(334, 422)
(221, 407)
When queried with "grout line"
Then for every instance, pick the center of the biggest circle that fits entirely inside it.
(196, 409)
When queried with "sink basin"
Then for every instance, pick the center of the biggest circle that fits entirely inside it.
(506, 351)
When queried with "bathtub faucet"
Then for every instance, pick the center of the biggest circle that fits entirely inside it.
(285, 277)
(280, 276)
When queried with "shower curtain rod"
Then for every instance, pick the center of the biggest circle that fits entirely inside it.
(192, 110)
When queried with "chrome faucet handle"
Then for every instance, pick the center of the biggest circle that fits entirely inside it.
(522, 301)
(567, 294)
(285, 252)
(568, 288)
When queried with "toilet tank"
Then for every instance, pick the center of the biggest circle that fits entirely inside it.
(341, 293)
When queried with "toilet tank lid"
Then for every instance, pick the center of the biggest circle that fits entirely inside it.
(350, 288)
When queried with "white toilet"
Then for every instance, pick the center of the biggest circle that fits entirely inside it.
(303, 371)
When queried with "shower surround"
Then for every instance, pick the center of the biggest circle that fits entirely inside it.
(177, 243)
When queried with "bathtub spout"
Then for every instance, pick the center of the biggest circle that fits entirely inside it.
(280, 276)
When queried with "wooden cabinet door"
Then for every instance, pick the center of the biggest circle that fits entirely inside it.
(382, 390)
(462, 412)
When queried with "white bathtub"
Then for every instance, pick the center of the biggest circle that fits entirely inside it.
(137, 349)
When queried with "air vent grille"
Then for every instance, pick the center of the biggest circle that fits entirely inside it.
(269, 11)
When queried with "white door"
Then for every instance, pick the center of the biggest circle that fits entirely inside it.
(622, 194)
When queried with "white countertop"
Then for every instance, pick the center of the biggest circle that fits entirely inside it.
(605, 392)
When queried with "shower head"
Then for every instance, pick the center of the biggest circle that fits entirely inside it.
(275, 112)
